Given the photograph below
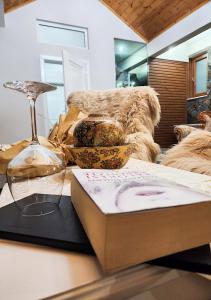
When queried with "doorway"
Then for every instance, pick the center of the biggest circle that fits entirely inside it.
(69, 73)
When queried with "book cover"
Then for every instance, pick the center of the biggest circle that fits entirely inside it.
(119, 191)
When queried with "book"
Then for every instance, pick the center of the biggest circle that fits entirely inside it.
(131, 216)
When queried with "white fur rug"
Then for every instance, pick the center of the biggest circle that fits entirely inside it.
(193, 153)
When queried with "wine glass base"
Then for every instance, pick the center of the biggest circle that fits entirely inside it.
(39, 209)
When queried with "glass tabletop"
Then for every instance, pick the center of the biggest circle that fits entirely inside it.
(143, 282)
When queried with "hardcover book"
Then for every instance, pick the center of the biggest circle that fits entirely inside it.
(131, 216)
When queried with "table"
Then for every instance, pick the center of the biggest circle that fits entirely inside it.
(32, 272)
(35, 272)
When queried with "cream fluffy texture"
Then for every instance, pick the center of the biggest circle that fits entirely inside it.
(137, 109)
(192, 154)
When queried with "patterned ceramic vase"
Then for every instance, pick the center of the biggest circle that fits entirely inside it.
(98, 130)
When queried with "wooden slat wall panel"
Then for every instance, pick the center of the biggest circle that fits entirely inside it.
(151, 17)
(169, 79)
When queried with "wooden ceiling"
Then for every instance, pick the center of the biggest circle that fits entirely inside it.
(151, 17)
(13, 4)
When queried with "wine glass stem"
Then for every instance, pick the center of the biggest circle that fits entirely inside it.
(33, 122)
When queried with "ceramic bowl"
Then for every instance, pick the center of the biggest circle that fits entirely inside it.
(98, 130)
(114, 157)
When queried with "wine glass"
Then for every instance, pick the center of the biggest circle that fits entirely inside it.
(36, 175)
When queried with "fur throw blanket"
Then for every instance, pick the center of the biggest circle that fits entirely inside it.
(137, 109)
(193, 153)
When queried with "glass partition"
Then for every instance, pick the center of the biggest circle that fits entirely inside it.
(131, 63)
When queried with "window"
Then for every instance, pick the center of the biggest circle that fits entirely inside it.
(52, 73)
(198, 75)
(60, 34)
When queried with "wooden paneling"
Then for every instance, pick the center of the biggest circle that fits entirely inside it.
(150, 17)
(13, 4)
(169, 79)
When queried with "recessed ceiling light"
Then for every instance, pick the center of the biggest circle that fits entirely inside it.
(121, 48)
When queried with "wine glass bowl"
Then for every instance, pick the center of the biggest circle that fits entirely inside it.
(36, 175)
(35, 161)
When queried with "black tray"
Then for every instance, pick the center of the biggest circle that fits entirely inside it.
(194, 260)
(62, 229)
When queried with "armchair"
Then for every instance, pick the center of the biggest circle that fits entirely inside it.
(182, 131)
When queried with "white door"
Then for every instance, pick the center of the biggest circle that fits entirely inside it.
(76, 73)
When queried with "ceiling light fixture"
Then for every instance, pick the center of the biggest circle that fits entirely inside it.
(121, 49)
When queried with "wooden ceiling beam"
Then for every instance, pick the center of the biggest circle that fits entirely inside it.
(10, 5)
(149, 18)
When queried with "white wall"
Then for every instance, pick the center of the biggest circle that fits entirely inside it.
(20, 54)
(1, 13)
(196, 20)
(189, 48)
